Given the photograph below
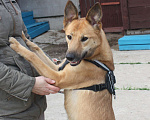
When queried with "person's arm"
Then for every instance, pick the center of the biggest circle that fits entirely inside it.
(16, 83)
(43, 86)
(21, 85)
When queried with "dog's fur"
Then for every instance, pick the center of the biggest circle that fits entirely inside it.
(86, 41)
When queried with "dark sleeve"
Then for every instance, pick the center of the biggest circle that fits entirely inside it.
(16, 83)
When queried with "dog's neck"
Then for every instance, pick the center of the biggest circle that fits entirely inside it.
(104, 53)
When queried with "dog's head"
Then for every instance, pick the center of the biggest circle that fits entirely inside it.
(82, 34)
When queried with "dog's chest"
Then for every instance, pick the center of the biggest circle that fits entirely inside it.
(76, 101)
(88, 105)
(71, 97)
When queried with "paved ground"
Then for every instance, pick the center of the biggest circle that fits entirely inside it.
(129, 104)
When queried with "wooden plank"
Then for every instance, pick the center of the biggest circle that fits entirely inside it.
(112, 16)
(28, 22)
(124, 11)
(112, 19)
(113, 29)
(135, 37)
(97, 1)
(88, 5)
(139, 24)
(134, 42)
(138, 32)
(139, 10)
(140, 18)
(92, 2)
(25, 14)
(111, 3)
(106, 1)
(85, 5)
(34, 26)
(83, 8)
(39, 30)
(135, 3)
(27, 18)
(135, 47)
(139, 14)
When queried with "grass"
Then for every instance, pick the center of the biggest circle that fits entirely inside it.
(131, 88)
(133, 63)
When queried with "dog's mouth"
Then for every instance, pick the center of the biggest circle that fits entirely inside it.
(75, 63)
(77, 60)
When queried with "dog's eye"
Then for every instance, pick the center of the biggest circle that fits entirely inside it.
(69, 37)
(84, 39)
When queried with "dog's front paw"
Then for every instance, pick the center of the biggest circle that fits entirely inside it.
(14, 44)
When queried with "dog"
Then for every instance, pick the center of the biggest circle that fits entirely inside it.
(87, 97)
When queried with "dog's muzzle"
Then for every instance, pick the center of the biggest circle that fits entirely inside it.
(75, 59)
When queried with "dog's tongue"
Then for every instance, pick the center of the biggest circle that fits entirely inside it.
(74, 62)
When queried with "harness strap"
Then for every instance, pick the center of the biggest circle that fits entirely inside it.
(109, 78)
(95, 88)
(63, 66)
(99, 64)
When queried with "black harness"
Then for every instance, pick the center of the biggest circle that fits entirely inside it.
(109, 78)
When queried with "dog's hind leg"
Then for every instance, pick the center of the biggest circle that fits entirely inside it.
(38, 51)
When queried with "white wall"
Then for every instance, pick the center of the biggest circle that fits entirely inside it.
(47, 10)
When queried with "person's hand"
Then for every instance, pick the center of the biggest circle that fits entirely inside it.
(43, 86)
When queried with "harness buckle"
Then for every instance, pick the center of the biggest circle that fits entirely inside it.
(99, 87)
(96, 88)
(110, 81)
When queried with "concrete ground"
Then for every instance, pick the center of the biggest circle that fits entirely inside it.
(132, 71)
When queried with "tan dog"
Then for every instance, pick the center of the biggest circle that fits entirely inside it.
(86, 40)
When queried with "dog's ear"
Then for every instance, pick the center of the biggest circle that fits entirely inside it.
(70, 13)
(94, 16)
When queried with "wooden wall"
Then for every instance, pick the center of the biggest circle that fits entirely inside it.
(85, 5)
(112, 17)
(111, 13)
(119, 15)
(139, 14)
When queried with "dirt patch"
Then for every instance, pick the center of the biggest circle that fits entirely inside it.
(56, 51)
(113, 40)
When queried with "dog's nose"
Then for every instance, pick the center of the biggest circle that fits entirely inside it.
(70, 56)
